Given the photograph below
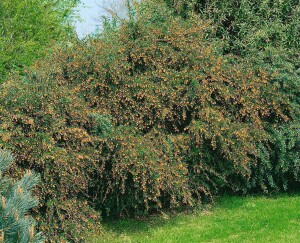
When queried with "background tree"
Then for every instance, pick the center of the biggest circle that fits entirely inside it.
(27, 29)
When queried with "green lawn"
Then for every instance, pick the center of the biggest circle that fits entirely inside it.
(251, 219)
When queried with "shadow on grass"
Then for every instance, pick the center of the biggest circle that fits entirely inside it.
(141, 225)
(168, 218)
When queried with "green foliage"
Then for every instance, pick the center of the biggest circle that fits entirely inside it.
(28, 28)
(278, 165)
(16, 201)
(263, 34)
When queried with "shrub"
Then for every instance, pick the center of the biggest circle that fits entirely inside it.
(16, 201)
(157, 77)
(166, 75)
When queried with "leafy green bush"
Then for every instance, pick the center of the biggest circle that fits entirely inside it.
(278, 165)
(154, 77)
(16, 201)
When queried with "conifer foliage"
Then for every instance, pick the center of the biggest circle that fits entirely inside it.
(16, 200)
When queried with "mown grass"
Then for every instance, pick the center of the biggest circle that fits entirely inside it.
(250, 219)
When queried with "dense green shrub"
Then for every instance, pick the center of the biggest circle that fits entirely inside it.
(265, 34)
(155, 77)
(184, 88)
(16, 201)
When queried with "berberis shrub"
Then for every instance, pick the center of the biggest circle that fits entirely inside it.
(148, 114)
